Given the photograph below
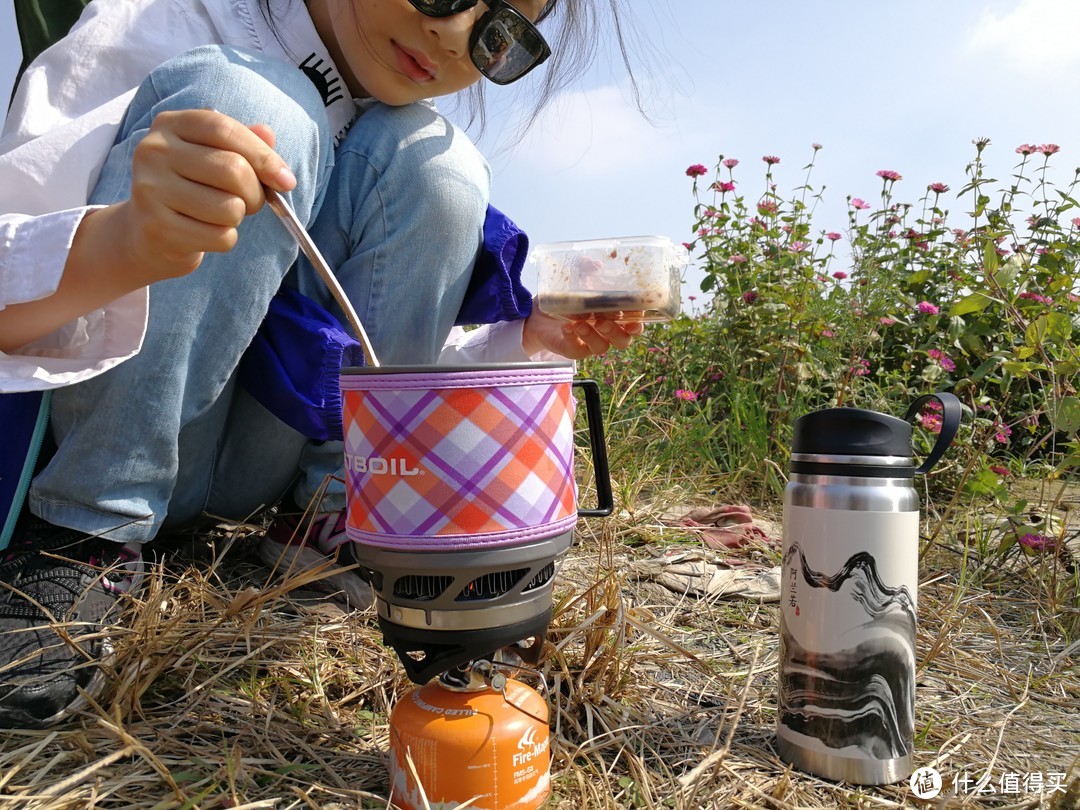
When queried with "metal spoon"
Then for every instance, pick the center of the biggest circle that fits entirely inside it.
(293, 225)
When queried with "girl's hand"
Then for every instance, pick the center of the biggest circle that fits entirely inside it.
(576, 340)
(195, 176)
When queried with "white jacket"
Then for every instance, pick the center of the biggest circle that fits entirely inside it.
(59, 129)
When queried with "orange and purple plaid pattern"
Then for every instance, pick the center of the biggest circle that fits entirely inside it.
(459, 460)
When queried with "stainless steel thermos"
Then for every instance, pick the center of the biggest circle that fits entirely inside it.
(846, 702)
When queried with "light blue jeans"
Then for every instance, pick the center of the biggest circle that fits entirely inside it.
(397, 209)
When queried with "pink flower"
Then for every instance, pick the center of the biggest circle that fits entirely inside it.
(1076, 222)
(926, 308)
(771, 160)
(1026, 149)
(798, 247)
(766, 207)
(889, 174)
(1039, 299)
(938, 188)
(886, 321)
(861, 368)
(828, 333)
(860, 204)
(750, 296)
(839, 275)
(931, 421)
(730, 163)
(943, 359)
(833, 236)
(1049, 149)
(1038, 542)
(1003, 434)
(696, 170)
(687, 396)
(994, 468)
(737, 259)
(724, 186)
(688, 245)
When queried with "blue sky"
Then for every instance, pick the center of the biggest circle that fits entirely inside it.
(880, 85)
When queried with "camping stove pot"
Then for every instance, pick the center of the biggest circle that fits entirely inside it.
(461, 501)
(849, 586)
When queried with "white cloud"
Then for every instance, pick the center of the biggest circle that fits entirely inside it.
(1037, 37)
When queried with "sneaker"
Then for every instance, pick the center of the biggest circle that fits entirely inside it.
(59, 590)
(293, 545)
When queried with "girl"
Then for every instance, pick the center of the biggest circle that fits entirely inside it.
(134, 241)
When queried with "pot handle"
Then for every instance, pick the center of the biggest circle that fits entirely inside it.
(951, 411)
(605, 502)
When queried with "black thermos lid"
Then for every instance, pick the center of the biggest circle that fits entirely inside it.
(851, 432)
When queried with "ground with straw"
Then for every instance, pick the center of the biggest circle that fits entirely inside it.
(240, 687)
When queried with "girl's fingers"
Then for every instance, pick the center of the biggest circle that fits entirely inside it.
(213, 148)
(590, 335)
(618, 334)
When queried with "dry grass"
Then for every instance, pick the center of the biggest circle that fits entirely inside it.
(236, 688)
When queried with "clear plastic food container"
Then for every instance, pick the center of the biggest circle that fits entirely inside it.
(633, 278)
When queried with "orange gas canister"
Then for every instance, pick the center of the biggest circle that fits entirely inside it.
(487, 746)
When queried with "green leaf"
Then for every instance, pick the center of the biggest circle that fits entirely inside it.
(985, 368)
(991, 260)
(1049, 327)
(1067, 418)
(984, 483)
(1058, 328)
(1017, 369)
(1006, 274)
(970, 343)
(971, 303)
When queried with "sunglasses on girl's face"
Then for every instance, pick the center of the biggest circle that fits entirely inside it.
(504, 45)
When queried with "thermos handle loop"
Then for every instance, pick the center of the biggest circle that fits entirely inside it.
(605, 501)
(951, 411)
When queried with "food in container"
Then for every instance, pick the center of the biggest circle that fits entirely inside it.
(635, 278)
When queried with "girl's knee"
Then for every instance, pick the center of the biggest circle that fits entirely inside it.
(416, 148)
(252, 88)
